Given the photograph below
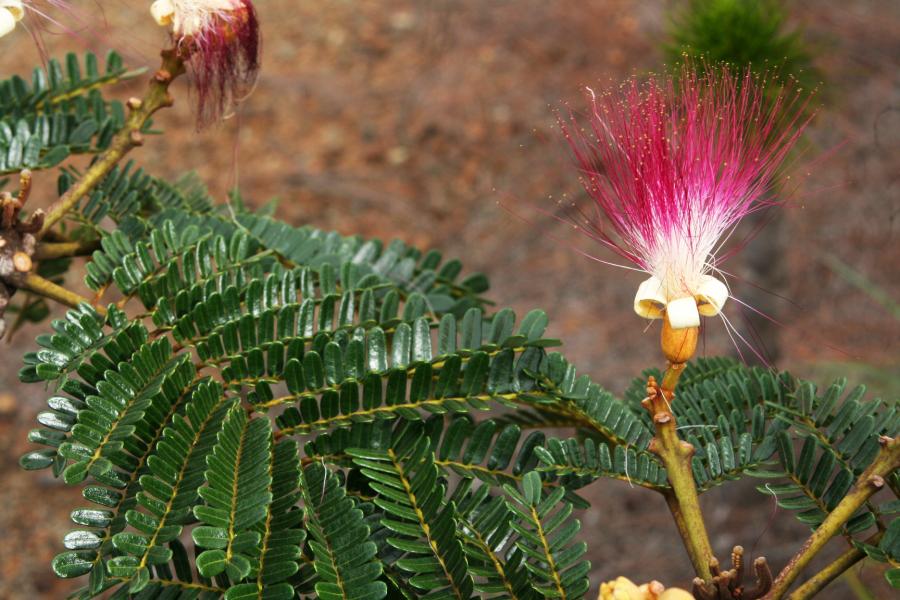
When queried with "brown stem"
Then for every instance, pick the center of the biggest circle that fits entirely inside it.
(871, 480)
(128, 137)
(51, 250)
(46, 288)
(820, 580)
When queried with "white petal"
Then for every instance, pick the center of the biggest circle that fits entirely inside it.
(650, 301)
(163, 12)
(682, 313)
(190, 24)
(7, 22)
(711, 296)
(15, 7)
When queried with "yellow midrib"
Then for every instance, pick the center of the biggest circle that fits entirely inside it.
(550, 562)
(422, 523)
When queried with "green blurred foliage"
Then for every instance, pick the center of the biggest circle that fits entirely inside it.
(741, 32)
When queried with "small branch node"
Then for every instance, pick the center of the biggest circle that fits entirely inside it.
(22, 262)
(686, 448)
(134, 103)
(763, 580)
(876, 481)
(162, 76)
(703, 590)
(662, 418)
(737, 560)
(34, 223)
(714, 566)
(24, 186)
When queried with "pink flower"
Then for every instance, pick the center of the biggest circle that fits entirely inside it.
(222, 39)
(671, 166)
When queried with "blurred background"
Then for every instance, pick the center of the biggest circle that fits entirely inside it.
(415, 119)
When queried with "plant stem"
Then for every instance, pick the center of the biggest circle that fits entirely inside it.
(857, 586)
(871, 480)
(130, 136)
(676, 454)
(51, 250)
(46, 288)
(697, 556)
(820, 580)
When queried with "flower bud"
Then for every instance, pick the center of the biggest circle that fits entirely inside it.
(620, 589)
(625, 589)
(675, 594)
(163, 12)
(11, 12)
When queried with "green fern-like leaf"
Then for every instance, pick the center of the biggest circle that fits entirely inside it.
(545, 539)
(62, 112)
(581, 462)
(344, 558)
(237, 492)
(405, 480)
(170, 488)
(839, 437)
(57, 84)
(281, 533)
(495, 562)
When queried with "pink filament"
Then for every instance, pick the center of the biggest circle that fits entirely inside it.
(224, 58)
(675, 164)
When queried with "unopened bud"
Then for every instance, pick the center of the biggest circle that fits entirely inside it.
(620, 589)
(11, 12)
(676, 594)
(163, 12)
(678, 345)
(625, 589)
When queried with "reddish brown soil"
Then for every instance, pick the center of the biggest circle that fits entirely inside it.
(413, 119)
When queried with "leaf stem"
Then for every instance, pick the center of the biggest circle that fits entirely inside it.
(46, 288)
(51, 250)
(820, 580)
(871, 480)
(130, 136)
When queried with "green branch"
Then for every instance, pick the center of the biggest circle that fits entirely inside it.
(871, 480)
(820, 580)
(51, 250)
(128, 137)
(46, 288)
(682, 499)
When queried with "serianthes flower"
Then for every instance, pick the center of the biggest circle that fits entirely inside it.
(221, 39)
(11, 12)
(671, 166)
(623, 588)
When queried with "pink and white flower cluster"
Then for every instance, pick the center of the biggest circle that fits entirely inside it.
(671, 166)
(222, 39)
